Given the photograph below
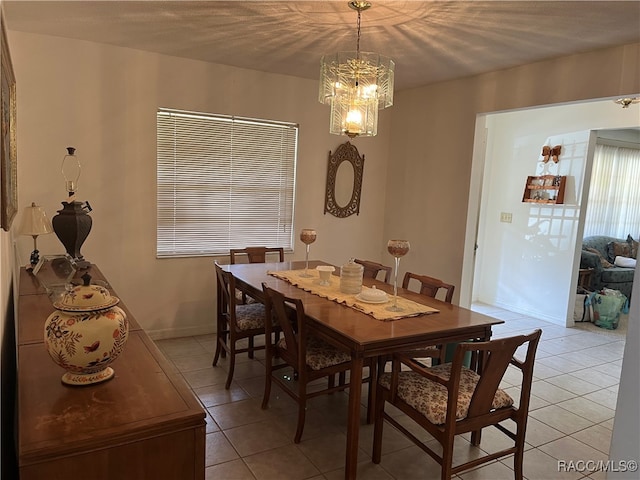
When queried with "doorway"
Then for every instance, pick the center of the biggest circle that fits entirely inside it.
(528, 262)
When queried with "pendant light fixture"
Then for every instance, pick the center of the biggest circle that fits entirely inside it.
(625, 102)
(356, 85)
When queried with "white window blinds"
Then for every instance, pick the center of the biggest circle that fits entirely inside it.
(223, 182)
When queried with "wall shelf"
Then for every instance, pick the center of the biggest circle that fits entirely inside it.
(547, 189)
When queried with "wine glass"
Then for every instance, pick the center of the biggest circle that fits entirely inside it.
(307, 236)
(397, 248)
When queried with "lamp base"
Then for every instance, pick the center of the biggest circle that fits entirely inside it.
(72, 226)
(34, 258)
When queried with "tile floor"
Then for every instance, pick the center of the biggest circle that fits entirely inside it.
(571, 415)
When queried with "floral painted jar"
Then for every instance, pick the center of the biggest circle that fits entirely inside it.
(86, 333)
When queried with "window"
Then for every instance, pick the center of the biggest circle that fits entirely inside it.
(223, 182)
(613, 208)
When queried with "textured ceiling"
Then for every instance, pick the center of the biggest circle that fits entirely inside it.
(430, 41)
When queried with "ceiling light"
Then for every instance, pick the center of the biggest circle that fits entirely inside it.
(356, 85)
(625, 102)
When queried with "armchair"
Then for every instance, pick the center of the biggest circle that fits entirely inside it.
(450, 400)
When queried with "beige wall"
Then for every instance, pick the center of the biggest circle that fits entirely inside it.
(103, 101)
(432, 141)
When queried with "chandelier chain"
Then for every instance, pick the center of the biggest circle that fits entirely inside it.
(358, 38)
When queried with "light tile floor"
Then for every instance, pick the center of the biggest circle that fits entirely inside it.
(571, 414)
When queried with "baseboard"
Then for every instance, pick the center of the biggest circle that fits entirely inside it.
(534, 314)
(164, 333)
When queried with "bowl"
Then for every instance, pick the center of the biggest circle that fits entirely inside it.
(325, 272)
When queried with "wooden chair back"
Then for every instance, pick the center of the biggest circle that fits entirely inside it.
(371, 269)
(288, 313)
(497, 355)
(255, 254)
(429, 286)
(226, 301)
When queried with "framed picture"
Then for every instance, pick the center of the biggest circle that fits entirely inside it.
(8, 155)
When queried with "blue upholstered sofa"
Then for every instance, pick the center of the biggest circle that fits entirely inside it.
(616, 278)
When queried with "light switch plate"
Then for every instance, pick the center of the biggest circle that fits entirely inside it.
(505, 217)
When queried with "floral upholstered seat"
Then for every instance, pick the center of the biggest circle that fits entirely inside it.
(430, 398)
(320, 354)
(250, 316)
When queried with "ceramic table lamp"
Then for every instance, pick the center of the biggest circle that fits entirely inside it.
(72, 224)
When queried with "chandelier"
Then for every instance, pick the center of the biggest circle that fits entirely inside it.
(356, 85)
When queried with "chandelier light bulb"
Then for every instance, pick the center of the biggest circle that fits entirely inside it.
(354, 121)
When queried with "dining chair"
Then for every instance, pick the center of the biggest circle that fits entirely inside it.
(449, 399)
(235, 321)
(254, 255)
(429, 286)
(372, 269)
(310, 356)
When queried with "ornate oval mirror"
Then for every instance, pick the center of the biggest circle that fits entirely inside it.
(344, 181)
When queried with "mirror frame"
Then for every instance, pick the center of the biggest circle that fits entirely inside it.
(344, 153)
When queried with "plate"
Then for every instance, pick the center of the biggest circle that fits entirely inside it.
(384, 300)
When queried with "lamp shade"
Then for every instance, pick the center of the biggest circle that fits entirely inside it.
(35, 221)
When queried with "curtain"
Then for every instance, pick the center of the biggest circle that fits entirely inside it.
(614, 198)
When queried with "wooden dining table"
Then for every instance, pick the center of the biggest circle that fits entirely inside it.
(362, 335)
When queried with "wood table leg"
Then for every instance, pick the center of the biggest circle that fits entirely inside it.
(353, 419)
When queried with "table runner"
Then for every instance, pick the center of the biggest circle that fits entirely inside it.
(332, 292)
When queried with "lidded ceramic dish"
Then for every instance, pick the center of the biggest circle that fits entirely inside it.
(351, 277)
(373, 295)
(86, 333)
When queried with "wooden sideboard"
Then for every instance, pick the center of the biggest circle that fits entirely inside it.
(143, 423)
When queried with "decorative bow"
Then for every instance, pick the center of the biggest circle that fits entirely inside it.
(553, 153)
